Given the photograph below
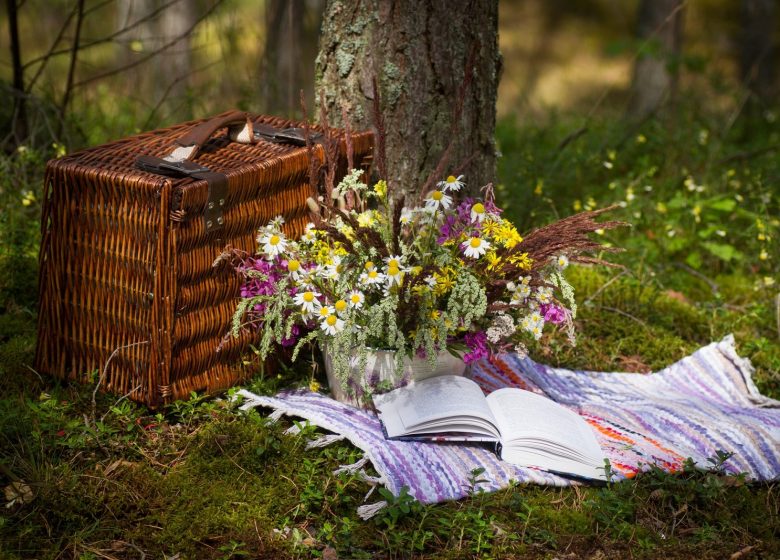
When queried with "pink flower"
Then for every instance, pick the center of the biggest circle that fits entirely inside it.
(552, 313)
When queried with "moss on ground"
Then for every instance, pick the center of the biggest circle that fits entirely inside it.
(205, 481)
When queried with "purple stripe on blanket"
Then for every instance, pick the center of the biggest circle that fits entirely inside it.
(703, 403)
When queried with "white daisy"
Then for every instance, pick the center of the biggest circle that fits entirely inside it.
(332, 324)
(394, 261)
(525, 280)
(273, 244)
(309, 234)
(451, 183)
(562, 261)
(307, 300)
(478, 212)
(437, 199)
(356, 299)
(511, 286)
(394, 275)
(333, 270)
(325, 311)
(523, 291)
(294, 268)
(406, 216)
(475, 247)
(372, 277)
(544, 294)
(340, 306)
(431, 281)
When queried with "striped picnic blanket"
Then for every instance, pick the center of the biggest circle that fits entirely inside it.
(692, 409)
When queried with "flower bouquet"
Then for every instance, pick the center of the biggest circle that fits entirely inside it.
(371, 274)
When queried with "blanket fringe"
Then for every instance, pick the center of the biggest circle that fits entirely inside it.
(293, 430)
(324, 441)
(370, 510)
(351, 468)
(276, 415)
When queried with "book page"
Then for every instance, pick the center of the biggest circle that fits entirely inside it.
(435, 404)
(530, 420)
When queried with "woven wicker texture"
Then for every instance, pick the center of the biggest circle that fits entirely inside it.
(128, 290)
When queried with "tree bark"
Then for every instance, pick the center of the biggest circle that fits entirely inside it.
(759, 21)
(174, 67)
(292, 32)
(659, 28)
(19, 120)
(418, 53)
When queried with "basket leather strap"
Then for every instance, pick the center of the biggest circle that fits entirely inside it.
(178, 163)
(217, 184)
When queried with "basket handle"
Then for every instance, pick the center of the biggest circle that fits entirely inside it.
(239, 128)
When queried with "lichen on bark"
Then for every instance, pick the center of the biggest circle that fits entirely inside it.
(418, 54)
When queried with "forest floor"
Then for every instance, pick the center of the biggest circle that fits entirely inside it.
(199, 479)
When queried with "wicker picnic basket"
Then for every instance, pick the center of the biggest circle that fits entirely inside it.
(129, 294)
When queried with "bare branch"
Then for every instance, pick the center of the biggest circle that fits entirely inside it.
(73, 57)
(152, 54)
(108, 38)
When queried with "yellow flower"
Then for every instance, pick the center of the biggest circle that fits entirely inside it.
(521, 261)
(577, 205)
(661, 208)
(348, 231)
(490, 227)
(314, 385)
(380, 189)
(493, 261)
(420, 289)
(366, 219)
(435, 314)
(763, 255)
(507, 235)
(416, 270)
(539, 187)
(444, 284)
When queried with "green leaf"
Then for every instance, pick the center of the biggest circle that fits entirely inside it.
(723, 205)
(723, 251)
(694, 260)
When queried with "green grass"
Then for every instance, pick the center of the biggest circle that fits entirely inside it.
(204, 480)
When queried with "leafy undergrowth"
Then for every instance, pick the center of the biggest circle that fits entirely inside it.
(203, 480)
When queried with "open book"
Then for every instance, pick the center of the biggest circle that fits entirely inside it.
(530, 430)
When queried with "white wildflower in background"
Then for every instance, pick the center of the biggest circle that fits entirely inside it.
(309, 236)
(451, 183)
(406, 216)
(438, 199)
(562, 261)
(475, 247)
(544, 294)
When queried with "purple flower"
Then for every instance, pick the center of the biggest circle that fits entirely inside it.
(552, 313)
(292, 341)
(477, 344)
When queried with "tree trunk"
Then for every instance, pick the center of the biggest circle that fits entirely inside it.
(19, 119)
(174, 66)
(292, 32)
(418, 53)
(659, 28)
(759, 21)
